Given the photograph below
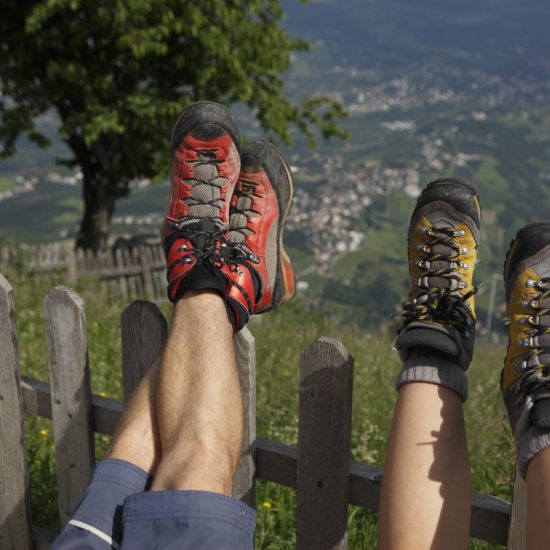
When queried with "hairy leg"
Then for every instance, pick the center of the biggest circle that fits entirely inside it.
(425, 496)
(136, 438)
(198, 399)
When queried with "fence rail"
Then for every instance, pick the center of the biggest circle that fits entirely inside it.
(319, 467)
(126, 272)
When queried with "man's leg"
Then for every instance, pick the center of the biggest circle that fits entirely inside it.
(425, 495)
(199, 402)
(525, 379)
(184, 423)
(136, 438)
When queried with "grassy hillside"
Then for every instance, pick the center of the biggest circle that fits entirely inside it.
(280, 336)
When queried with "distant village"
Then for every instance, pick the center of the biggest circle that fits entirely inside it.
(335, 193)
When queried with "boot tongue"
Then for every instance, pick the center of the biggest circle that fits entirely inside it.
(441, 264)
(239, 217)
(200, 232)
(205, 200)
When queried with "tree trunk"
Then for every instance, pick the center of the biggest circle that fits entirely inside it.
(99, 206)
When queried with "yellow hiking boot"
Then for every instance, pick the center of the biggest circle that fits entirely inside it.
(525, 378)
(439, 314)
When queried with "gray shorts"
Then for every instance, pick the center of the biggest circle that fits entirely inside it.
(117, 512)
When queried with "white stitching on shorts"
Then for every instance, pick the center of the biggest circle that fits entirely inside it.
(95, 531)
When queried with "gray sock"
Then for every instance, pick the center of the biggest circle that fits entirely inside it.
(529, 444)
(428, 365)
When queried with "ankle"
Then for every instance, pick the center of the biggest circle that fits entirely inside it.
(432, 366)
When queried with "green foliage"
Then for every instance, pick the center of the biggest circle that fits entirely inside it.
(121, 72)
(118, 73)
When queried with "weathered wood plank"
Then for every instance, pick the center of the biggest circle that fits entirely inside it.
(276, 462)
(72, 271)
(146, 263)
(139, 278)
(490, 517)
(324, 435)
(143, 332)
(15, 516)
(517, 534)
(244, 485)
(37, 400)
(122, 283)
(70, 395)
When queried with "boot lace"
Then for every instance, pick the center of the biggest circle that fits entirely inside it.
(214, 251)
(440, 262)
(204, 205)
(533, 370)
(240, 215)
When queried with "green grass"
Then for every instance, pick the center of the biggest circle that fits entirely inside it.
(281, 336)
(6, 183)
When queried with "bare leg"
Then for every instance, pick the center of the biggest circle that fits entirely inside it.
(198, 398)
(136, 438)
(538, 501)
(425, 497)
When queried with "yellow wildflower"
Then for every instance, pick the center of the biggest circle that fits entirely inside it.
(266, 504)
(44, 433)
(103, 393)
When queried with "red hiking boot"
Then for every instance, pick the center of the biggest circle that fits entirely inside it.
(205, 168)
(259, 269)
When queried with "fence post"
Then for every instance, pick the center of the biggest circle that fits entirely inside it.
(324, 433)
(72, 269)
(122, 282)
(15, 517)
(517, 530)
(143, 333)
(70, 395)
(147, 274)
(244, 485)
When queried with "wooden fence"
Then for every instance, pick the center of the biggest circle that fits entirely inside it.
(124, 272)
(319, 467)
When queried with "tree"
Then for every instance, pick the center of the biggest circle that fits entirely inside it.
(118, 72)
